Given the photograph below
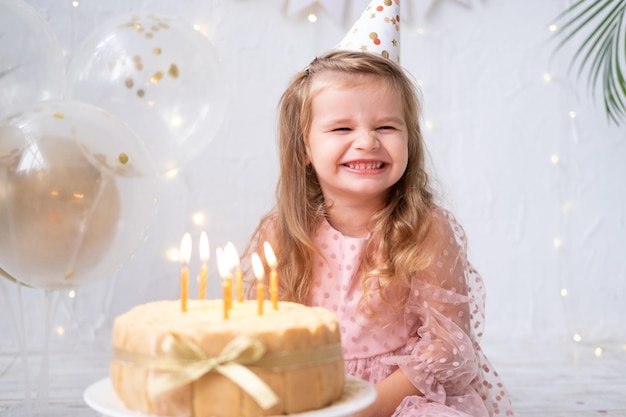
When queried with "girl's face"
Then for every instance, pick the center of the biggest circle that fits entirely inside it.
(357, 141)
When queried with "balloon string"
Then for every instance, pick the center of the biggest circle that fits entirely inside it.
(22, 344)
(20, 334)
(52, 303)
(108, 299)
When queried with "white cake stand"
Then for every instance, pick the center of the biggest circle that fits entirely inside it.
(357, 395)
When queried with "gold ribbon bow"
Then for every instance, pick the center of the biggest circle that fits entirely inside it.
(187, 362)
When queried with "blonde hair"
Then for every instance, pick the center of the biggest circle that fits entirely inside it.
(397, 246)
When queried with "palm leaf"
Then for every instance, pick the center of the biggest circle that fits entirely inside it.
(7, 72)
(602, 53)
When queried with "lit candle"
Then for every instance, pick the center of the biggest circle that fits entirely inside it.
(226, 290)
(239, 281)
(232, 259)
(185, 255)
(235, 261)
(204, 257)
(222, 266)
(259, 273)
(271, 261)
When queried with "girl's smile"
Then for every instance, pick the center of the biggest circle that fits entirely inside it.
(365, 166)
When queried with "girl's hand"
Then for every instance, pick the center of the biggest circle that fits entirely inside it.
(390, 393)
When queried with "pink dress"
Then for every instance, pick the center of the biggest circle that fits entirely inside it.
(431, 339)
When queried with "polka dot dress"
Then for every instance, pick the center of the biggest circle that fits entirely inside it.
(434, 339)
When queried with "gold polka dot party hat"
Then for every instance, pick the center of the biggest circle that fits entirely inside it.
(377, 30)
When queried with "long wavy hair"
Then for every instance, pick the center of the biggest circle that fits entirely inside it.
(397, 247)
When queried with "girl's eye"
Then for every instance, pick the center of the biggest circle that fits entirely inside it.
(385, 128)
(341, 129)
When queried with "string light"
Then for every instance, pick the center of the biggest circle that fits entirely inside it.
(312, 18)
(60, 330)
(198, 218)
(429, 125)
(71, 294)
(597, 352)
(172, 254)
(566, 207)
(172, 173)
(553, 28)
(176, 121)
(200, 28)
(577, 337)
(555, 159)
(572, 114)
(75, 3)
(563, 292)
(557, 243)
(547, 77)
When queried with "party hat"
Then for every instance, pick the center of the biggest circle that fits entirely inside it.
(377, 30)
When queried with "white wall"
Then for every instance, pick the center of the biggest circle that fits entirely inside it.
(492, 125)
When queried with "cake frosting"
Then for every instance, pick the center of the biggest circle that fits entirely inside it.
(198, 364)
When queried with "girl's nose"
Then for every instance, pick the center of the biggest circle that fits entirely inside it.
(366, 140)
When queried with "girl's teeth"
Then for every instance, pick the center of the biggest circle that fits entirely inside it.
(370, 165)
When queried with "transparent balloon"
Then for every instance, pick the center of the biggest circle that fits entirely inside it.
(160, 75)
(32, 65)
(77, 194)
(4, 274)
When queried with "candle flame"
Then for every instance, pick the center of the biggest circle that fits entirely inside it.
(231, 254)
(222, 262)
(257, 266)
(185, 249)
(204, 247)
(269, 254)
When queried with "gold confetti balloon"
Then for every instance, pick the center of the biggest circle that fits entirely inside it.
(77, 194)
(32, 65)
(160, 75)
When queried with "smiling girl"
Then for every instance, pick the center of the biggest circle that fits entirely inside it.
(356, 229)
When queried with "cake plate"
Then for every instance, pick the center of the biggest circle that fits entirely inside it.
(357, 394)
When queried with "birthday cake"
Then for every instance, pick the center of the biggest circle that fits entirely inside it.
(199, 364)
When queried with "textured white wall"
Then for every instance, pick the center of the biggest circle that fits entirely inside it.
(492, 125)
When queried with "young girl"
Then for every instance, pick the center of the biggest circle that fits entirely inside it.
(356, 230)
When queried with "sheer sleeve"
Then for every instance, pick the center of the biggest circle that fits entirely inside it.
(445, 313)
(440, 357)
